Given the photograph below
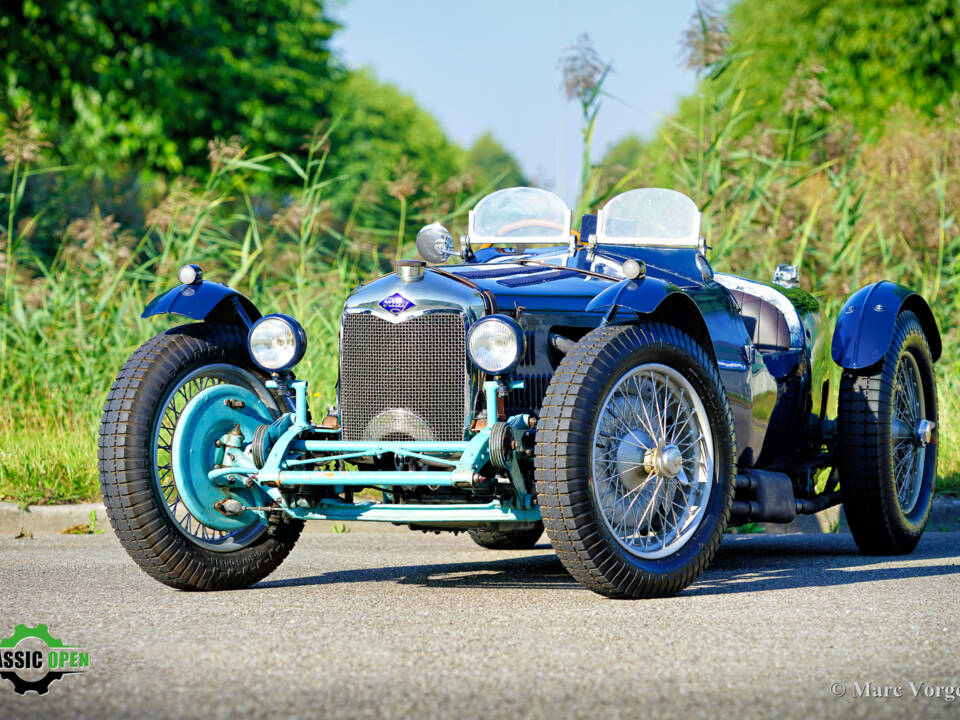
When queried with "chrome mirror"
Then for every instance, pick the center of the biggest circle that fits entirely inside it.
(435, 243)
(787, 276)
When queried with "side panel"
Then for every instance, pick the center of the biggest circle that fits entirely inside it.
(197, 301)
(863, 330)
(751, 389)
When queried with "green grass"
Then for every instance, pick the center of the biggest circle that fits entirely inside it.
(948, 480)
(88, 528)
(48, 457)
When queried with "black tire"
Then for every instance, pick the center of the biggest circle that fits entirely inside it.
(507, 539)
(127, 460)
(564, 465)
(866, 446)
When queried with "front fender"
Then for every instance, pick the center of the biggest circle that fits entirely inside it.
(865, 326)
(202, 300)
(642, 295)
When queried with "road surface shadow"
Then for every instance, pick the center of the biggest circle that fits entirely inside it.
(779, 562)
(530, 571)
(743, 564)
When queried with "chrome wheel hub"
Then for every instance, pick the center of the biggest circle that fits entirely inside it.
(631, 458)
(663, 460)
(919, 434)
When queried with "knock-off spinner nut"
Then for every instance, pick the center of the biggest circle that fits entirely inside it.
(229, 506)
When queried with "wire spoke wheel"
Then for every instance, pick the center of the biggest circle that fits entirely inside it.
(635, 460)
(167, 483)
(887, 443)
(909, 413)
(653, 460)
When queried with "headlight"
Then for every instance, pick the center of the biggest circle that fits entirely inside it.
(495, 344)
(276, 342)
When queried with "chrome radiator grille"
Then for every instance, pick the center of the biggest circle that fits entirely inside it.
(404, 380)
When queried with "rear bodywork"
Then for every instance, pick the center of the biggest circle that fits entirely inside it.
(866, 323)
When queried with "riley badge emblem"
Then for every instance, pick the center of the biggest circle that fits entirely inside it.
(396, 304)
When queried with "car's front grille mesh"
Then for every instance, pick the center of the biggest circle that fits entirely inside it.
(408, 378)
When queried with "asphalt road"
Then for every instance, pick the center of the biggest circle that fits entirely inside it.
(398, 624)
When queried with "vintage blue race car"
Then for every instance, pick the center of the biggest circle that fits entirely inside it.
(606, 385)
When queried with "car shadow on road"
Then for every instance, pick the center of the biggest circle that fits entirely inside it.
(529, 571)
(780, 562)
(743, 564)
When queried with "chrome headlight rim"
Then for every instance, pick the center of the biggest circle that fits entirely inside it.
(299, 338)
(512, 325)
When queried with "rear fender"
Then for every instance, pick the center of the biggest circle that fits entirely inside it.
(865, 325)
(205, 300)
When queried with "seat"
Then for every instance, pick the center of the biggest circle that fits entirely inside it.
(765, 323)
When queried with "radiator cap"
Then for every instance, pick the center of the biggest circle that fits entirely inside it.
(410, 270)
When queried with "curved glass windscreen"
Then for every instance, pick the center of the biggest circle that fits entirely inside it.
(650, 216)
(520, 215)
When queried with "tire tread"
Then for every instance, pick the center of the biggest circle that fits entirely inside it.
(134, 506)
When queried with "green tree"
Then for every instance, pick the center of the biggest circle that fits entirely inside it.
(377, 127)
(869, 56)
(390, 161)
(622, 157)
(492, 164)
(151, 82)
(804, 67)
(814, 63)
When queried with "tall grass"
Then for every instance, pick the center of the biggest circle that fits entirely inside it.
(69, 323)
(848, 210)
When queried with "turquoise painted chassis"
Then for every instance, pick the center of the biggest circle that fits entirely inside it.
(259, 490)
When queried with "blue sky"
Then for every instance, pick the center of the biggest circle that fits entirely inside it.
(492, 65)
